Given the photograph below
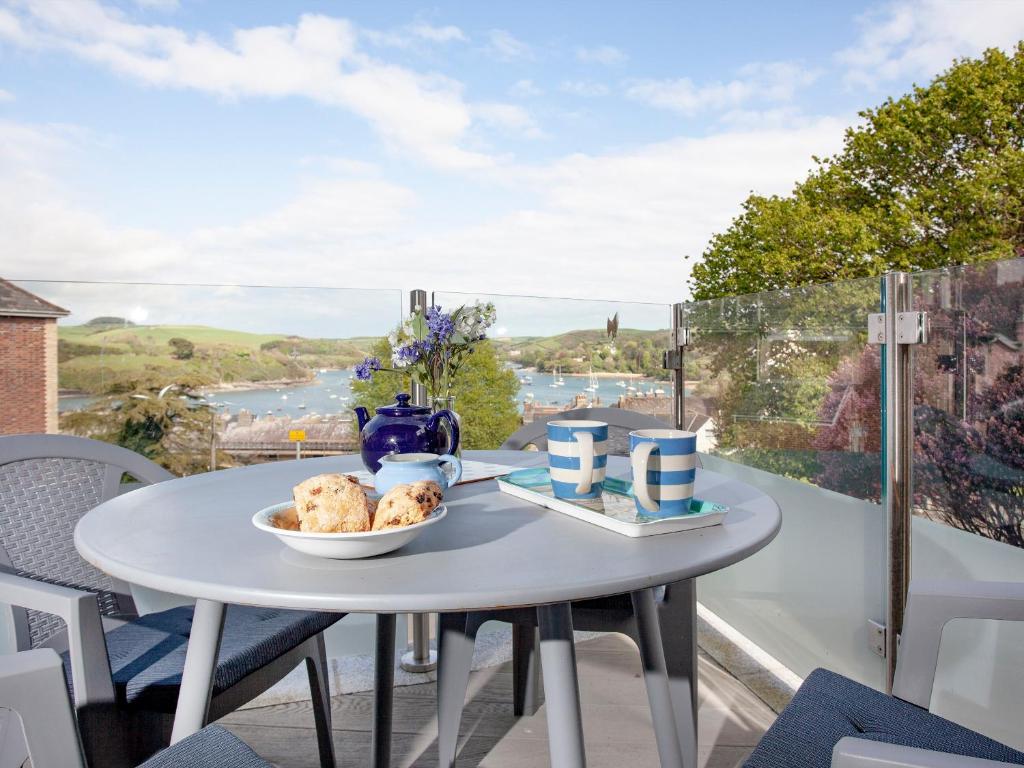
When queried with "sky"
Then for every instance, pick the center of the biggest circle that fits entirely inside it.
(571, 149)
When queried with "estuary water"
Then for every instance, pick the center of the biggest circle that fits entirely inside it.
(330, 392)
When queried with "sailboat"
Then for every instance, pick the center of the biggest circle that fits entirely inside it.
(557, 381)
(591, 382)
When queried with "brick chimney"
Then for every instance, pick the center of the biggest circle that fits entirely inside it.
(28, 361)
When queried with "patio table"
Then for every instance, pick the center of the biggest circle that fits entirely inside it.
(192, 536)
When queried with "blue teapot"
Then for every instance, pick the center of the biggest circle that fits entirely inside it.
(404, 428)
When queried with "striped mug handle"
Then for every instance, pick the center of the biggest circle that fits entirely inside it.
(586, 443)
(639, 458)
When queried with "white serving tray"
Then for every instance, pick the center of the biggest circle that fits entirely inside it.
(614, 510)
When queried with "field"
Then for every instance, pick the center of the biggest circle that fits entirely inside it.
(108, 355)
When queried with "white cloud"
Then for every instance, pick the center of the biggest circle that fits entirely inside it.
(504, 46)
(525, 89)
(445, 34)
(769, 82)
(920, 38)
(158, 5)
(410, 34)
(509, 117)
(583, 88)
(5, 96)
(613, 225)
(603, 54)
(318, 58)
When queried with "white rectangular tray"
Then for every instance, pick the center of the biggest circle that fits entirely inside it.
(614, 510)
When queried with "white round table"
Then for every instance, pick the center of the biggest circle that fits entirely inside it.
(193, 536)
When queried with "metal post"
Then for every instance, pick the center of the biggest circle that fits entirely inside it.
(420, 658)
(679, 374)
(897, 488)
(213, 440)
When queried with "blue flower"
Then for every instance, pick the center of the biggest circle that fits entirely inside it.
(439, 325)
(365, 369)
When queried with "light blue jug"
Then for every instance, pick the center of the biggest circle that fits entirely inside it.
(401, 468)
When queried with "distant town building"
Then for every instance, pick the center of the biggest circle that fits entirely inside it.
(28, 361)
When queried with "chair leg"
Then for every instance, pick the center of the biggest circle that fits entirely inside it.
(527, 691)
(652, 655)
(456, 640)
(320, 693)
(383, 691)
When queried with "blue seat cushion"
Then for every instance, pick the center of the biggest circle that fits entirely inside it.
(212, 747)
(147, 655)
(829, 706)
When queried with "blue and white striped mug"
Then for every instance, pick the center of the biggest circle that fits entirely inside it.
(578, 455)
(664, 465)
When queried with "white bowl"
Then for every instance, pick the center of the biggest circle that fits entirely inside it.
(344, 546)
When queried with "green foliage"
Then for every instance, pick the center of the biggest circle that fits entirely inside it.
(574, 352)
(933, 178)
(167, 424)
(182, 349)
(485, 397)
(484, 393)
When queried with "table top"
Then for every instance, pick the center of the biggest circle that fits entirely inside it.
(193, 536)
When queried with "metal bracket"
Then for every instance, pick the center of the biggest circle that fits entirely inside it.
(876, 637)
(672, 360)
(911, 328)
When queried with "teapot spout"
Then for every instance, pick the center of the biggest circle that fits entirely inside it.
(362, 415)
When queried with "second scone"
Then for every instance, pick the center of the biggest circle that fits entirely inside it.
(332, 503)
(407, 504)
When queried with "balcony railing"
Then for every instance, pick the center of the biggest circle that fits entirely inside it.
(787, 390)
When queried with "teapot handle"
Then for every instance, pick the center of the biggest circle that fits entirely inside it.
(453, 424)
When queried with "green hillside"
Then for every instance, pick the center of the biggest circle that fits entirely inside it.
(104, 357)
(634, 351)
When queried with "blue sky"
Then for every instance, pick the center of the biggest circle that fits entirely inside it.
(555, 149)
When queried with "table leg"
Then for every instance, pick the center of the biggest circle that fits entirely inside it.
(677, 618)
(200, 667)
(456, 637)
(383, 691)
(561, 688)
(652, 656)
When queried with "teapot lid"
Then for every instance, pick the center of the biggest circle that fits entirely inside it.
(402, 407)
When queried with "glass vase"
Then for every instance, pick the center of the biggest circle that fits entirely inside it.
(447, 402)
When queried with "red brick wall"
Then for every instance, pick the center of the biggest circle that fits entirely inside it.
(28, 385)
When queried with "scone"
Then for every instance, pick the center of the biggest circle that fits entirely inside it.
(332, 504)
(287, 520)
(407, 504)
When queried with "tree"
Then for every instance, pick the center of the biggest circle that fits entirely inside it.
(183, 349)
(931, 179)
(168, 424)
(485, 394)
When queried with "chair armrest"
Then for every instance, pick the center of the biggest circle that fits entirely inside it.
(931, 604)
(852, 752)
(32, 684)
(90, 666)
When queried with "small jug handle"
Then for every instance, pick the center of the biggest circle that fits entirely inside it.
(452, 479)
